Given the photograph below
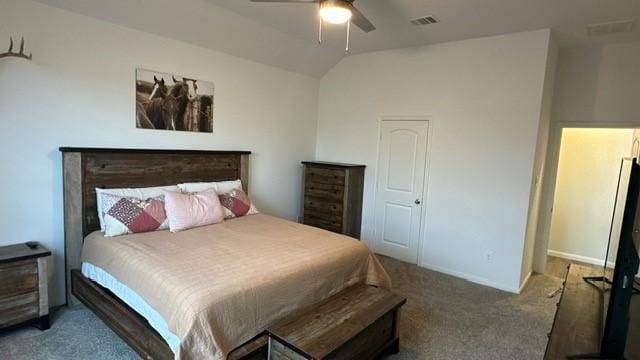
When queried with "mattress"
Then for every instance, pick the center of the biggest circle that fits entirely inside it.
(137, 303)
(215, 287)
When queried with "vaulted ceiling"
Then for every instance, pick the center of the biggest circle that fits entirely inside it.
(285, 35)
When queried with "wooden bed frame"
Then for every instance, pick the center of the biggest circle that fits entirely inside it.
(84, 169)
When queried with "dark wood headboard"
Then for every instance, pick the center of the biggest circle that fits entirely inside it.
(85, 169)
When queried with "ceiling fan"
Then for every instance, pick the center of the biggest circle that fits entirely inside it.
(334, 12)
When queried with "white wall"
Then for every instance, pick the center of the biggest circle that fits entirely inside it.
(595, 87)
(79, 91)
(598, 84)
(585, 192)
(539, 164)
(484, 96)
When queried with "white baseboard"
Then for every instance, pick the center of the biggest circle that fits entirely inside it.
(471, 278)
(524, 283)
(584, 259)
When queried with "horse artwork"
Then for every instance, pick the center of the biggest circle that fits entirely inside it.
(172, 102)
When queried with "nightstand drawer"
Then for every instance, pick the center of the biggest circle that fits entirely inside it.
(19, 308)
(18, 277)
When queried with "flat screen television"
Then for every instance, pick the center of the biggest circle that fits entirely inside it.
(618, 286)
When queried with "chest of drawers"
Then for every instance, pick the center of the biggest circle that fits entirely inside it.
(333, 196)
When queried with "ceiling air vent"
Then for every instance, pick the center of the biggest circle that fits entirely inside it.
(612, 27)
(424, 20)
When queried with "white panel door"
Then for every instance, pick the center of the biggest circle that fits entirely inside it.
(399, 188)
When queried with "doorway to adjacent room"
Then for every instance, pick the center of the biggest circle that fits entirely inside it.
(585, 191)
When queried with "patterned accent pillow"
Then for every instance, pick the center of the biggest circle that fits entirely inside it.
(127, 215)
(138, 193)
(236, 203)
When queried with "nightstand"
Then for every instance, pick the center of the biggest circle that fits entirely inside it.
(23, 285)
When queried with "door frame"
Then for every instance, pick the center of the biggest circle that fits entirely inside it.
(550, 177)
(425, 184)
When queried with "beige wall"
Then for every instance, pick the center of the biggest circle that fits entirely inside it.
(585, 191)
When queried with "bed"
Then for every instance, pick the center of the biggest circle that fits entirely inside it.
(151, 289)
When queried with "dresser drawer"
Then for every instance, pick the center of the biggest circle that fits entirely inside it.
(334, 218)
(18, 277)
(18, 308)
(325, 191)
(328, 176)
(322, 221)
(323, 205)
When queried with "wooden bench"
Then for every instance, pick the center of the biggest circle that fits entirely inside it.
(360, 322)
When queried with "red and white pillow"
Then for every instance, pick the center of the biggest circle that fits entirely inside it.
(236, 203)
(137, 193)
(128, 215)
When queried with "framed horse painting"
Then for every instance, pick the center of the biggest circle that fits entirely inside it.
(173, 102)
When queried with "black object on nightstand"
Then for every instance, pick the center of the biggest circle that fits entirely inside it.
(23, 285)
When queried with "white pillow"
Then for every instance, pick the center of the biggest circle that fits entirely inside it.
(196, 187)
(136, 193)
(226, 186)
(221, 187)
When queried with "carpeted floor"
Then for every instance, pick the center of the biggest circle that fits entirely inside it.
(444, 318)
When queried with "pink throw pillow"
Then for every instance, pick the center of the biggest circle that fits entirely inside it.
(186, 211)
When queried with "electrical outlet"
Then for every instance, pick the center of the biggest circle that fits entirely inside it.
(489, 255)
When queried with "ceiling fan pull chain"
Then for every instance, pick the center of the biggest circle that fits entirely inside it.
(348, 34)
(320, 18)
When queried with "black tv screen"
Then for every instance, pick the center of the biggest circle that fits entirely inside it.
(617, 300)
(614, 235)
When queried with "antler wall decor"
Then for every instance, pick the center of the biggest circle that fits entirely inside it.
(19, 54)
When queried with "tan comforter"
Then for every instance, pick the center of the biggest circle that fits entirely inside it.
(218, 286)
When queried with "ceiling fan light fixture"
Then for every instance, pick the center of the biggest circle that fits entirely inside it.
(335, 12)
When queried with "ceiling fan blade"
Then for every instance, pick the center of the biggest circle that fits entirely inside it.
(360, 20)
(286, 1)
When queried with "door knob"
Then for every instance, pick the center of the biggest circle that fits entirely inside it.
(417, 202)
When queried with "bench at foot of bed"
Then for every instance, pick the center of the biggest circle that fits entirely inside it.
(360, 322)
